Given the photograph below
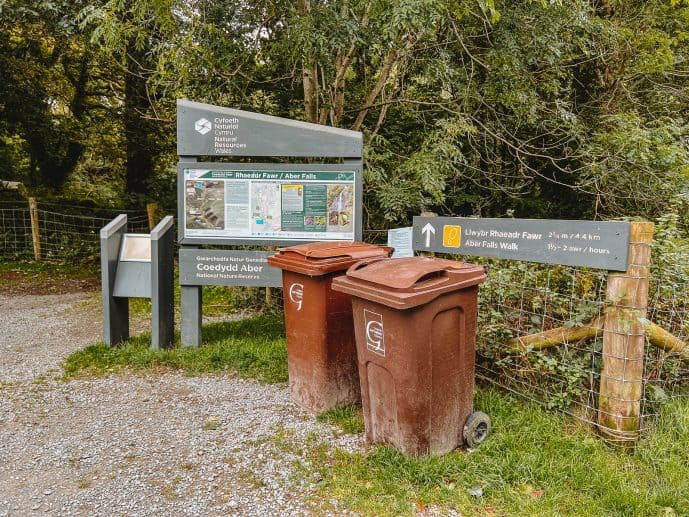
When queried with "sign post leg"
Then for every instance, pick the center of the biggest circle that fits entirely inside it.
(163, 284)
(190, 306)
(115, 309)
(191, 302)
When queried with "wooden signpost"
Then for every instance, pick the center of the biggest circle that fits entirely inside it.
(621, 380)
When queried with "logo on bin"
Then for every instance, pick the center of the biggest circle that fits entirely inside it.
(375, 333)
(296, 294)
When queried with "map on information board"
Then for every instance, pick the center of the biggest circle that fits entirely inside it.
(269, 204)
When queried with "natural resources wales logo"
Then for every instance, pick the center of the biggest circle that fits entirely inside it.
(203, 126)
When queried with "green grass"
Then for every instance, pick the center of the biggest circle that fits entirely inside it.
(37, 272)
(348, 418)
(253, 347)
(217, 300)
(533, 463)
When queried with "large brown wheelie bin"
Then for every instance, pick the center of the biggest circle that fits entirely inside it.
(321, 352)
(415, 326)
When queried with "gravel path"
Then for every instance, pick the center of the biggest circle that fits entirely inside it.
(132, 444)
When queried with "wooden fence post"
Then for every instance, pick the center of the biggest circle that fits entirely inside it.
(35, 229)
(621, 380)
(152, 211)
(269, 297)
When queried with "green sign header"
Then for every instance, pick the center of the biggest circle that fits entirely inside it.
(279, 176)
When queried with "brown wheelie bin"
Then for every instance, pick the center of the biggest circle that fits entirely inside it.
(415, 326)
(321, 352)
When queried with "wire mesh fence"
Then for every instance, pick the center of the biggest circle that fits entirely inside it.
(15, 233)
(521, 299)
(66, 233)
(666, 366)
(540, 335)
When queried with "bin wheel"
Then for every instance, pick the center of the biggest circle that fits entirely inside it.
(476, 429)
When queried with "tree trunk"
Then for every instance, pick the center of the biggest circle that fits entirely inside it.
(137, 130)
(309, 73)
(556, 336)
(390, 61)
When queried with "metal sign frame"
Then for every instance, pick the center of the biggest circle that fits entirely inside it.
(204, 130)
(122, 279)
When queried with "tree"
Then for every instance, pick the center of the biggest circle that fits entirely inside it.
(46, 90)
(542, 109)
(131, 31)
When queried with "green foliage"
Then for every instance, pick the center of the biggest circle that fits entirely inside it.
(44, 90)
(221, 300)
(469, 107)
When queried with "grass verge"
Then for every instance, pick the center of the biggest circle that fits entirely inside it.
(31, 277)
(253, 347)
(217, 300)
(349, 418)
(534, 463)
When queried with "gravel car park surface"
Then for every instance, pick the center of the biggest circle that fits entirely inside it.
(142, 444)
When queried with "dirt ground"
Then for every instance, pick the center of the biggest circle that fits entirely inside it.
(19, 282)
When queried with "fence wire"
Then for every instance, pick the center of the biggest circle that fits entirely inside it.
(520, 299)
(666, 368)
(71, 234)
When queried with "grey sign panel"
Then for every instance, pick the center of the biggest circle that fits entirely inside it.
(207, 130)
(227, 267)
(133, 279)
(595, 244)
(267, 204)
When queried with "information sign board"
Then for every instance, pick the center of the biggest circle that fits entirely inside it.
(269, 204)
(401, 240)
(227, 267)
(596, 244)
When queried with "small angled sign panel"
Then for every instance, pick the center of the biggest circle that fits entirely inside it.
(207, 130)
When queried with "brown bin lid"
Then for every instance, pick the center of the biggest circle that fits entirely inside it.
(320, 258)
(408, 282)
